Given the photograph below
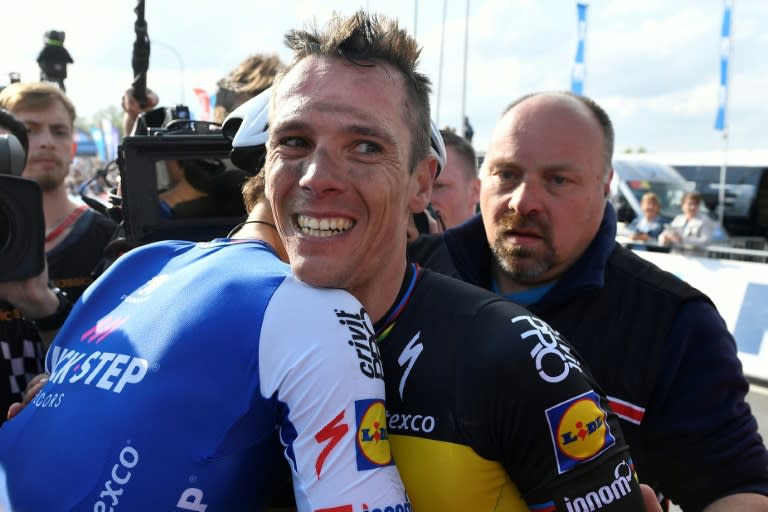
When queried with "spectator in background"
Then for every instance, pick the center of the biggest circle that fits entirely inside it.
(457, 187)
(651, 224)
(252, 76)
(690, 229)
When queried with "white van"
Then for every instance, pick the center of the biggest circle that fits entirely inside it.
(633, 177)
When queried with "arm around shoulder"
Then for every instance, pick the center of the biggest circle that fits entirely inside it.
(702, 445)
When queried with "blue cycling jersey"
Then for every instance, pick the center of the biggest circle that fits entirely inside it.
(172, 375)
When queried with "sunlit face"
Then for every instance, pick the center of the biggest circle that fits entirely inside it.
(690, 207)
(50, 144)
(338, 179)
(543, 189)
(650, 208)
(455, 195)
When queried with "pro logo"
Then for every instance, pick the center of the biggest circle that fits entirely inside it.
(372, 442)
(579, 430)
(552, 357)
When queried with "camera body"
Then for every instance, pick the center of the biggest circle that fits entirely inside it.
(169, 146)
(22, 225)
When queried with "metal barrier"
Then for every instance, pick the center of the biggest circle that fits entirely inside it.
(741, 249)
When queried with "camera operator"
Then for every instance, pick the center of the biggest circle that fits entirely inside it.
(75, 234)
(74, 241)
(20, 301)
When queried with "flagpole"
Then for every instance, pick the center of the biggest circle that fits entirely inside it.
(579, 72)
(415, 18)
(440, 68)
(726, 78)
(464, 75)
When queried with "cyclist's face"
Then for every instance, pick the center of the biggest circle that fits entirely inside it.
(338, 177)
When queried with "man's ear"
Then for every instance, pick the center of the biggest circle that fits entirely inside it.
(607, 184)
(422, 179)
(474, 190)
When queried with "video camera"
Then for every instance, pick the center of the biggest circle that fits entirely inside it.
(170, 152)
(22, 226)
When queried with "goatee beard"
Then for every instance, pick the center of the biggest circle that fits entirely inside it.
(522, 264)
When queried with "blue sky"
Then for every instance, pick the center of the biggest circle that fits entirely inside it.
(653, 64)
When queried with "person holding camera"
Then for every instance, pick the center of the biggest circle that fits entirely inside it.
(75, 235)
(22, 346)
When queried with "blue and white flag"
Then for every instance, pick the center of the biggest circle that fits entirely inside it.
(577, 76)
(725, 52)
(98, 139)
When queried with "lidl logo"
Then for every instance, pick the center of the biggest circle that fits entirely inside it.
(579, 430)
(372, 440)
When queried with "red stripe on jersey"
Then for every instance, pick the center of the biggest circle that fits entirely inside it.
(627, 411)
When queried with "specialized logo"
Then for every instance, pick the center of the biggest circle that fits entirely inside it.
(619, 488)
(332, 433)
(105, 370)
(363, 341)
(372, 440)
(410, 423)
(407, 359)
(121, 475)
(579, 430)
(143, 293)
(558, 365)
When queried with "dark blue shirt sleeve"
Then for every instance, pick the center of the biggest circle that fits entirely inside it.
(702, 437)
